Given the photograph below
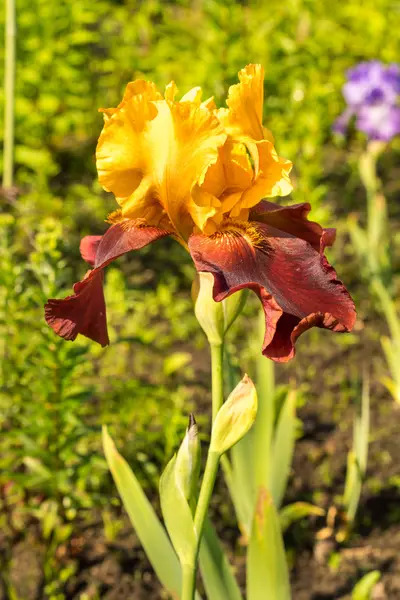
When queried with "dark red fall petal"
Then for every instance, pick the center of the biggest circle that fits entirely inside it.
(85, 312)
(288, 274)
(88, 248)
(124, 237)
(294, 220)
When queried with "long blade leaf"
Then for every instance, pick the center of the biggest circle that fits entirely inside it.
(239, 471)
(144, 520)
(218, 578)
(283, 448)
(267, 572)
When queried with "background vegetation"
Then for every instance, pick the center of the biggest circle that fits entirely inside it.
(59, 512)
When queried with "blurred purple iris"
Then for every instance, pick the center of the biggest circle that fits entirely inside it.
(372, 93)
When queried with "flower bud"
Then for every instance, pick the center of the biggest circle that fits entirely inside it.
(209, 313)
(214, 317)
(235, 417)
(187, 466)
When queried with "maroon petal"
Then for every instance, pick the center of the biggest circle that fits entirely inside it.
(294, 220)
(85, 312)
(297, 286)
(88, 248)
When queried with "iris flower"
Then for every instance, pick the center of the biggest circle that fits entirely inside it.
(201, 175)
(372, 94)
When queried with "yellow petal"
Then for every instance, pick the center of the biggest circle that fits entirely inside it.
(271, 180)
(120, 164)
(203, 207)
(231, 172)
(274, 171)
(193, 95)
(197, 135)
(170, 91)
(140, 86)
(209, 103)
(152, 153)
(243, 118)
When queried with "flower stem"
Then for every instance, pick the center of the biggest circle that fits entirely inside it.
(9, 85)
(217, 361)
(188, 581)
(376, 205)
(210, 473)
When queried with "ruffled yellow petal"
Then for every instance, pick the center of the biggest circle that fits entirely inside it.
(197, 137)
(152, 153)
(170, 91)
(185, 163)
(245, 100)
(232, 171)
(120, 162)
(209, 103)
(193, 95)
(140, 86)
(271, 180)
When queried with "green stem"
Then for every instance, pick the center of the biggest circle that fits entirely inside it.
(188, 582)
(217, 361)
(9, 85)
(210, 473)
(376, 206)
(207, 487)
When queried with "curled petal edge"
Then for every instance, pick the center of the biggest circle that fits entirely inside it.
(84, 311)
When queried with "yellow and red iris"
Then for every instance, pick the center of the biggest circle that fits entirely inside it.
(187, 169)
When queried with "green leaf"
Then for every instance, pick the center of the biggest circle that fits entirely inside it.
(358, 237)
(239, 471)
(175, 362)
(357, 456)
(391, 349)
(241, 481)
(144, 520)
(297, 510)
(37, 467)
(352, 487)
(361, 428)
(177, 515)
(283, 447)
(267, 572)
(364, 588)
(218, 578)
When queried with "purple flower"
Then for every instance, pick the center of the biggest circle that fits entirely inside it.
(372, 93)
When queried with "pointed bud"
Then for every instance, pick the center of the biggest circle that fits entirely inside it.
(214, 317)
(187, 466)
(235, 417)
